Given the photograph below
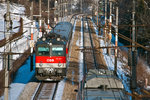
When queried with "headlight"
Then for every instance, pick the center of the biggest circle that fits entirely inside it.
(43, 39)
(49, 69)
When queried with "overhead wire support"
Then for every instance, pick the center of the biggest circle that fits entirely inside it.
(84, 65)
(71, 6)
(133, 68)
(81, 6)
(48, 21)
(130, 40)
(40, 20)
(32, 38)
(110, 31)
(116, 38)
(105, 33)
(6, 57)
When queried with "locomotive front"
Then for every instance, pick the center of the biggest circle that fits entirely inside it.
(51, 59)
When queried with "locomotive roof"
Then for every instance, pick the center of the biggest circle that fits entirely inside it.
(63, 29)
(97, 78)
(103, 85)
(54, 41)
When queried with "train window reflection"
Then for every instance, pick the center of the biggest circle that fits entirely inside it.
(57, 51)
(43, 51)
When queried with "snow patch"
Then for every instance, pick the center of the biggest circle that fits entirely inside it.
(81, 53)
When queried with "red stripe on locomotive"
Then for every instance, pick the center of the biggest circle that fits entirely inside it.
(47, 59)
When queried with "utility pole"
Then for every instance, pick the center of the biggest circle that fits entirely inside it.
(110, 22)
(65, 10)
(81, 6)
(71, 6)
(7, 49)
(61, 11)
(116, 38)
(98, 14)
(31, 40)
(97, 11)
(40, 20)
(48, 21)
(134, 55)
(105, 34)
(56, 19)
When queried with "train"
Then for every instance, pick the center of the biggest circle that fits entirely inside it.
(51, 52)
(101, 84)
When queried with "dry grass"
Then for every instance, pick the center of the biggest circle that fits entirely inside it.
(143, 72)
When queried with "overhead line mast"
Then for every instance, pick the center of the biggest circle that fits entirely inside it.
(7, 49)
(134, 53)
(110, 29)
(105, 33)
(32, 38)
(48, 17)
(116, 38)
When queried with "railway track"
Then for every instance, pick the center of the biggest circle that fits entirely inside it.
(89, 55)
(45, 91)
(92, 44)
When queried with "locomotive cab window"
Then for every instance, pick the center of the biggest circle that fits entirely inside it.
(57, 51)
(43, 51)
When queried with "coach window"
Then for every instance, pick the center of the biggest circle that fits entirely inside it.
(43, 51)
(57, 51)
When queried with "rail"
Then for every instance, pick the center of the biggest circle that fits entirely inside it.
(45, 91)
(93, 51)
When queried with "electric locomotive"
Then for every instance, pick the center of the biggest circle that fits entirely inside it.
(100, 84)
(51, 53)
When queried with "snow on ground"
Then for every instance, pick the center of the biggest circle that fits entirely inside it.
(60, 90)
(23, 75)
(22, 44)
(81, 65)
(14, 9)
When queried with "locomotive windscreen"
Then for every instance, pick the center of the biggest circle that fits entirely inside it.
(43, 51)
(57, 51)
